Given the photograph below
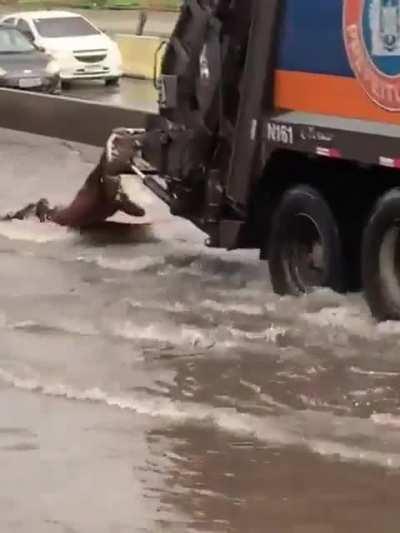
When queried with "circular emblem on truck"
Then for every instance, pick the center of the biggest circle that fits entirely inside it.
(372, 37)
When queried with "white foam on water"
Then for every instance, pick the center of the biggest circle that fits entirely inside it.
(389, 329)
(23, 324)
(355, 454)
(194, 269)
(65, 326)
(279, 431)
(341, 317)
(271, 334)
(267, 399)
(68, 325)
(386, 419)
(373, 373)
(161, 332)
(181, 335)
(175, 334)
(34, 231)
(171, 307)
(353, 320)
(244, 309)
(134, 264)
(317, 403)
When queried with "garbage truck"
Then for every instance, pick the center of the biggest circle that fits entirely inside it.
(279, 129)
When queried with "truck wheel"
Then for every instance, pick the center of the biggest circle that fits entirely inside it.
(305, 250)
(381, 258)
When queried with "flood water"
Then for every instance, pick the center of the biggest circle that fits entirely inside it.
(150, 384)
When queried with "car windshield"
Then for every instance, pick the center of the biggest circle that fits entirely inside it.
(14, 42)
(64, 27)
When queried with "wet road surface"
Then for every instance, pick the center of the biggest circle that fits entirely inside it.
(136, 94)
(119, 21)
(150, 384)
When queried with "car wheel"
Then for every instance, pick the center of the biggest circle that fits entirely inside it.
(304, 246)
(381, 258)
(66, 85)
(55, 89)
(112, 82)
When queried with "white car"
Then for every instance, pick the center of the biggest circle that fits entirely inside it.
(81, 50)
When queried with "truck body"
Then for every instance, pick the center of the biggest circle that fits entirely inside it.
(279, 129)
(329, 62)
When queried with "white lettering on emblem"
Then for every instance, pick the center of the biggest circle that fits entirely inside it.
(280, 133)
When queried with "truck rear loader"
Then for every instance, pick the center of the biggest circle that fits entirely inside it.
(279, 129)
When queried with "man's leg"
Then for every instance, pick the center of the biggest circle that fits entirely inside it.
(43, 210)
(126, 205)
(25, 212)
(116, 196)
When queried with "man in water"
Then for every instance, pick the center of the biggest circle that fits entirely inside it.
(102, 194)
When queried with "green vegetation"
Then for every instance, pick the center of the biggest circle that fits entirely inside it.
(170, 5)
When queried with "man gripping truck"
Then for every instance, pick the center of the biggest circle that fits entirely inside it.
(101, 196)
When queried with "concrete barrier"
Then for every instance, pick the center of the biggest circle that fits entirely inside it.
(66, 118)
(138, 55)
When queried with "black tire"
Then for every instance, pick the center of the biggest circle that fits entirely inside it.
(304, 246)
(380, 259)
(66, 85)
(55, 89)
(112, 82)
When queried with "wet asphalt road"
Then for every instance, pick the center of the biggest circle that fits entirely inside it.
(136, 94)
(139, 94)
(150, 384)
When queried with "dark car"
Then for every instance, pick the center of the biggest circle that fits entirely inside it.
(25, 66)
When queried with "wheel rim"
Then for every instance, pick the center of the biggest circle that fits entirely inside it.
(389, 262)
(304, 254)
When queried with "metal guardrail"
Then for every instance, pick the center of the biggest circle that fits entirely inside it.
(66, 118)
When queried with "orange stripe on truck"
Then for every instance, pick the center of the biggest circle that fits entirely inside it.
(329, 95)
